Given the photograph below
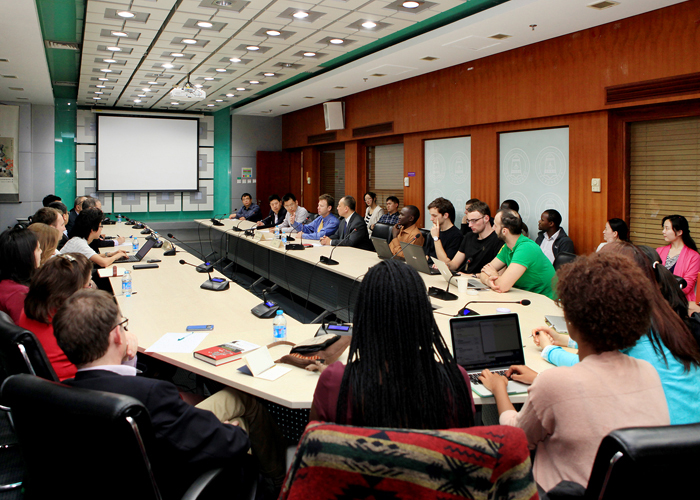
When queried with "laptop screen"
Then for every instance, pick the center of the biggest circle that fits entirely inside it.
(480, 342)
(145, 248)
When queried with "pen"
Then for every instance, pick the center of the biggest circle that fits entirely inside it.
(183, 338)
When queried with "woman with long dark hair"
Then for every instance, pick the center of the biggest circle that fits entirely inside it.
(680, 256)
(20, 256)
(374, 212)
(615, 230)
(669, 345)
(400, 372)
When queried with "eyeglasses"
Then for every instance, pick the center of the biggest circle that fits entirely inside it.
(125, 322)
(474, 221)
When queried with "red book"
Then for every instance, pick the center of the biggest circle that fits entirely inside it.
(220, 354)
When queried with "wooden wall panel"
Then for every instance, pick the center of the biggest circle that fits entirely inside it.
(311, 163)
(356, 172)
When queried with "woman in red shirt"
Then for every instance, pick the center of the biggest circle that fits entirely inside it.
(20, 254)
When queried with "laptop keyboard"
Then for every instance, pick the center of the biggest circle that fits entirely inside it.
(474, 377)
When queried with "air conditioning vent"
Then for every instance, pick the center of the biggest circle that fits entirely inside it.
(50, 44)
(380, 128)
(327, 137)
(603, 5)
(500, 36)
(65, 84)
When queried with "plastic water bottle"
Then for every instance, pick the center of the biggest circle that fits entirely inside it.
(135, 244)
(279, 326)
(277, 232)
(126, 284)
(119, 218)
(284, 239)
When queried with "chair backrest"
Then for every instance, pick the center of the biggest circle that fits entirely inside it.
(563, 258)
(80, 443)
(361, 462)
(382, 230)
(646, 462)
(21, 352)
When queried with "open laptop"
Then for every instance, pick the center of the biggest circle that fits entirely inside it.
(382, 248)
(140, 254)
(492, 342)
(415, 257)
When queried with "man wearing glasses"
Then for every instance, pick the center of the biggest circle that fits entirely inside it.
(479, 247)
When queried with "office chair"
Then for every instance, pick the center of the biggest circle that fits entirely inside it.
(341, 461)
(21, 352)
(382, 230)
(642, 462)
(86, 444)
(563, 258)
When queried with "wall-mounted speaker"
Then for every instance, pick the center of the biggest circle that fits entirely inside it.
(334, 114)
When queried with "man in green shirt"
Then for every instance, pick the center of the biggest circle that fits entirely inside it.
(520, 262)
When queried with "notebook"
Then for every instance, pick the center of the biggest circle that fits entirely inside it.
(492, 342)
(140, 254)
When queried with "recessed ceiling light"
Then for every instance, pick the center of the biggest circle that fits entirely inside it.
(119, 33)
(198, 85)
(369, 25)
(153, 83)
(167, 65)
(104, 70)
(309, 54)
(219, 100)
(300, 14)
(234, 60)
(109, 60)
(254, 82)
(174, 103)
(221, 70)
(269, 74)
(126, 14)
(137, 100)
(223, 3)
(410, 4)
(114, 49)
(177, 54)
(253, 47)
(204, 24)
(100, 86)
(189, 41)
(337, 41)
(97, 98)
(230, 95)
(208, 78)
(142, 95)
(98, 93)
(211, 105)
(103, 79)
(273, 32)
(146, 90)
(240, 88)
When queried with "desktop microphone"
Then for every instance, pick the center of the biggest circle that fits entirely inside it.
(337, 328)
(400, 250)
(216, 220)
(445, 294)
(466, 312)
(329, 260)
(267, 309)
(154, 236)
(296, 246)
(213, 284)
(235, 227)
(202, 268)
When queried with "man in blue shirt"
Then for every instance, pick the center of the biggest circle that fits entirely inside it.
(325, 224)
(249, 211)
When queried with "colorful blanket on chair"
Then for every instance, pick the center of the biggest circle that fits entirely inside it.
(344, 462)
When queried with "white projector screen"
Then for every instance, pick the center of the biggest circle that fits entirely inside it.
(137, 153)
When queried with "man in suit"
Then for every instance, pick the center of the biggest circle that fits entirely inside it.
(73, 214)
(352, 230)
(189, 440)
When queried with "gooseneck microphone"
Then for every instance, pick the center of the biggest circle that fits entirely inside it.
(213, 284)
(461, 312)
(329, 260)
(445, 294)
(216, 220)
(202, 268)
(400, 250)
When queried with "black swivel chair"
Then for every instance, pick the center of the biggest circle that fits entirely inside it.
(641, 462)
(563, 258)
(21, 352)
(84, 444)
(382, 230)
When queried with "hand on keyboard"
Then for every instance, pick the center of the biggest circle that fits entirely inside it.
(493, 381)
(521, 373)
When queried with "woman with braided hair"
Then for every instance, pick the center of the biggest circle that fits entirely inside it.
(400, 372)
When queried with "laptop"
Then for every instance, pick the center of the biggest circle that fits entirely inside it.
(445, 272)
(140, 254)
(415, 257)
(382, 248)
(492, 342)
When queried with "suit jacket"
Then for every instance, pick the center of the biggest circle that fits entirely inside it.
(188, 440)
(562, 244)
(72, 215)
(358, 239)
(274, 219)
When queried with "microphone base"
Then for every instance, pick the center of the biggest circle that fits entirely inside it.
(295, 246)
(263, 311)
(441, 294)
(145, 231)
(215, 222)
(466, 312)
(170, 252)
(330, 262)
(215, 286)
(205, 268)
(236, 229)
(328, 328)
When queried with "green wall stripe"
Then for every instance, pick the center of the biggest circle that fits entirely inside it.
(65, 127)
(222, 161)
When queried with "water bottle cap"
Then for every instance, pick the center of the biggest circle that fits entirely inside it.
(126, 271)
(279, 312)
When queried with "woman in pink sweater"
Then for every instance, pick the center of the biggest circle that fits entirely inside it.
(606, 301)
(680, 256)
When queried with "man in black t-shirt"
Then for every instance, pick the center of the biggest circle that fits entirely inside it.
(444, 233)
(477, 248)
